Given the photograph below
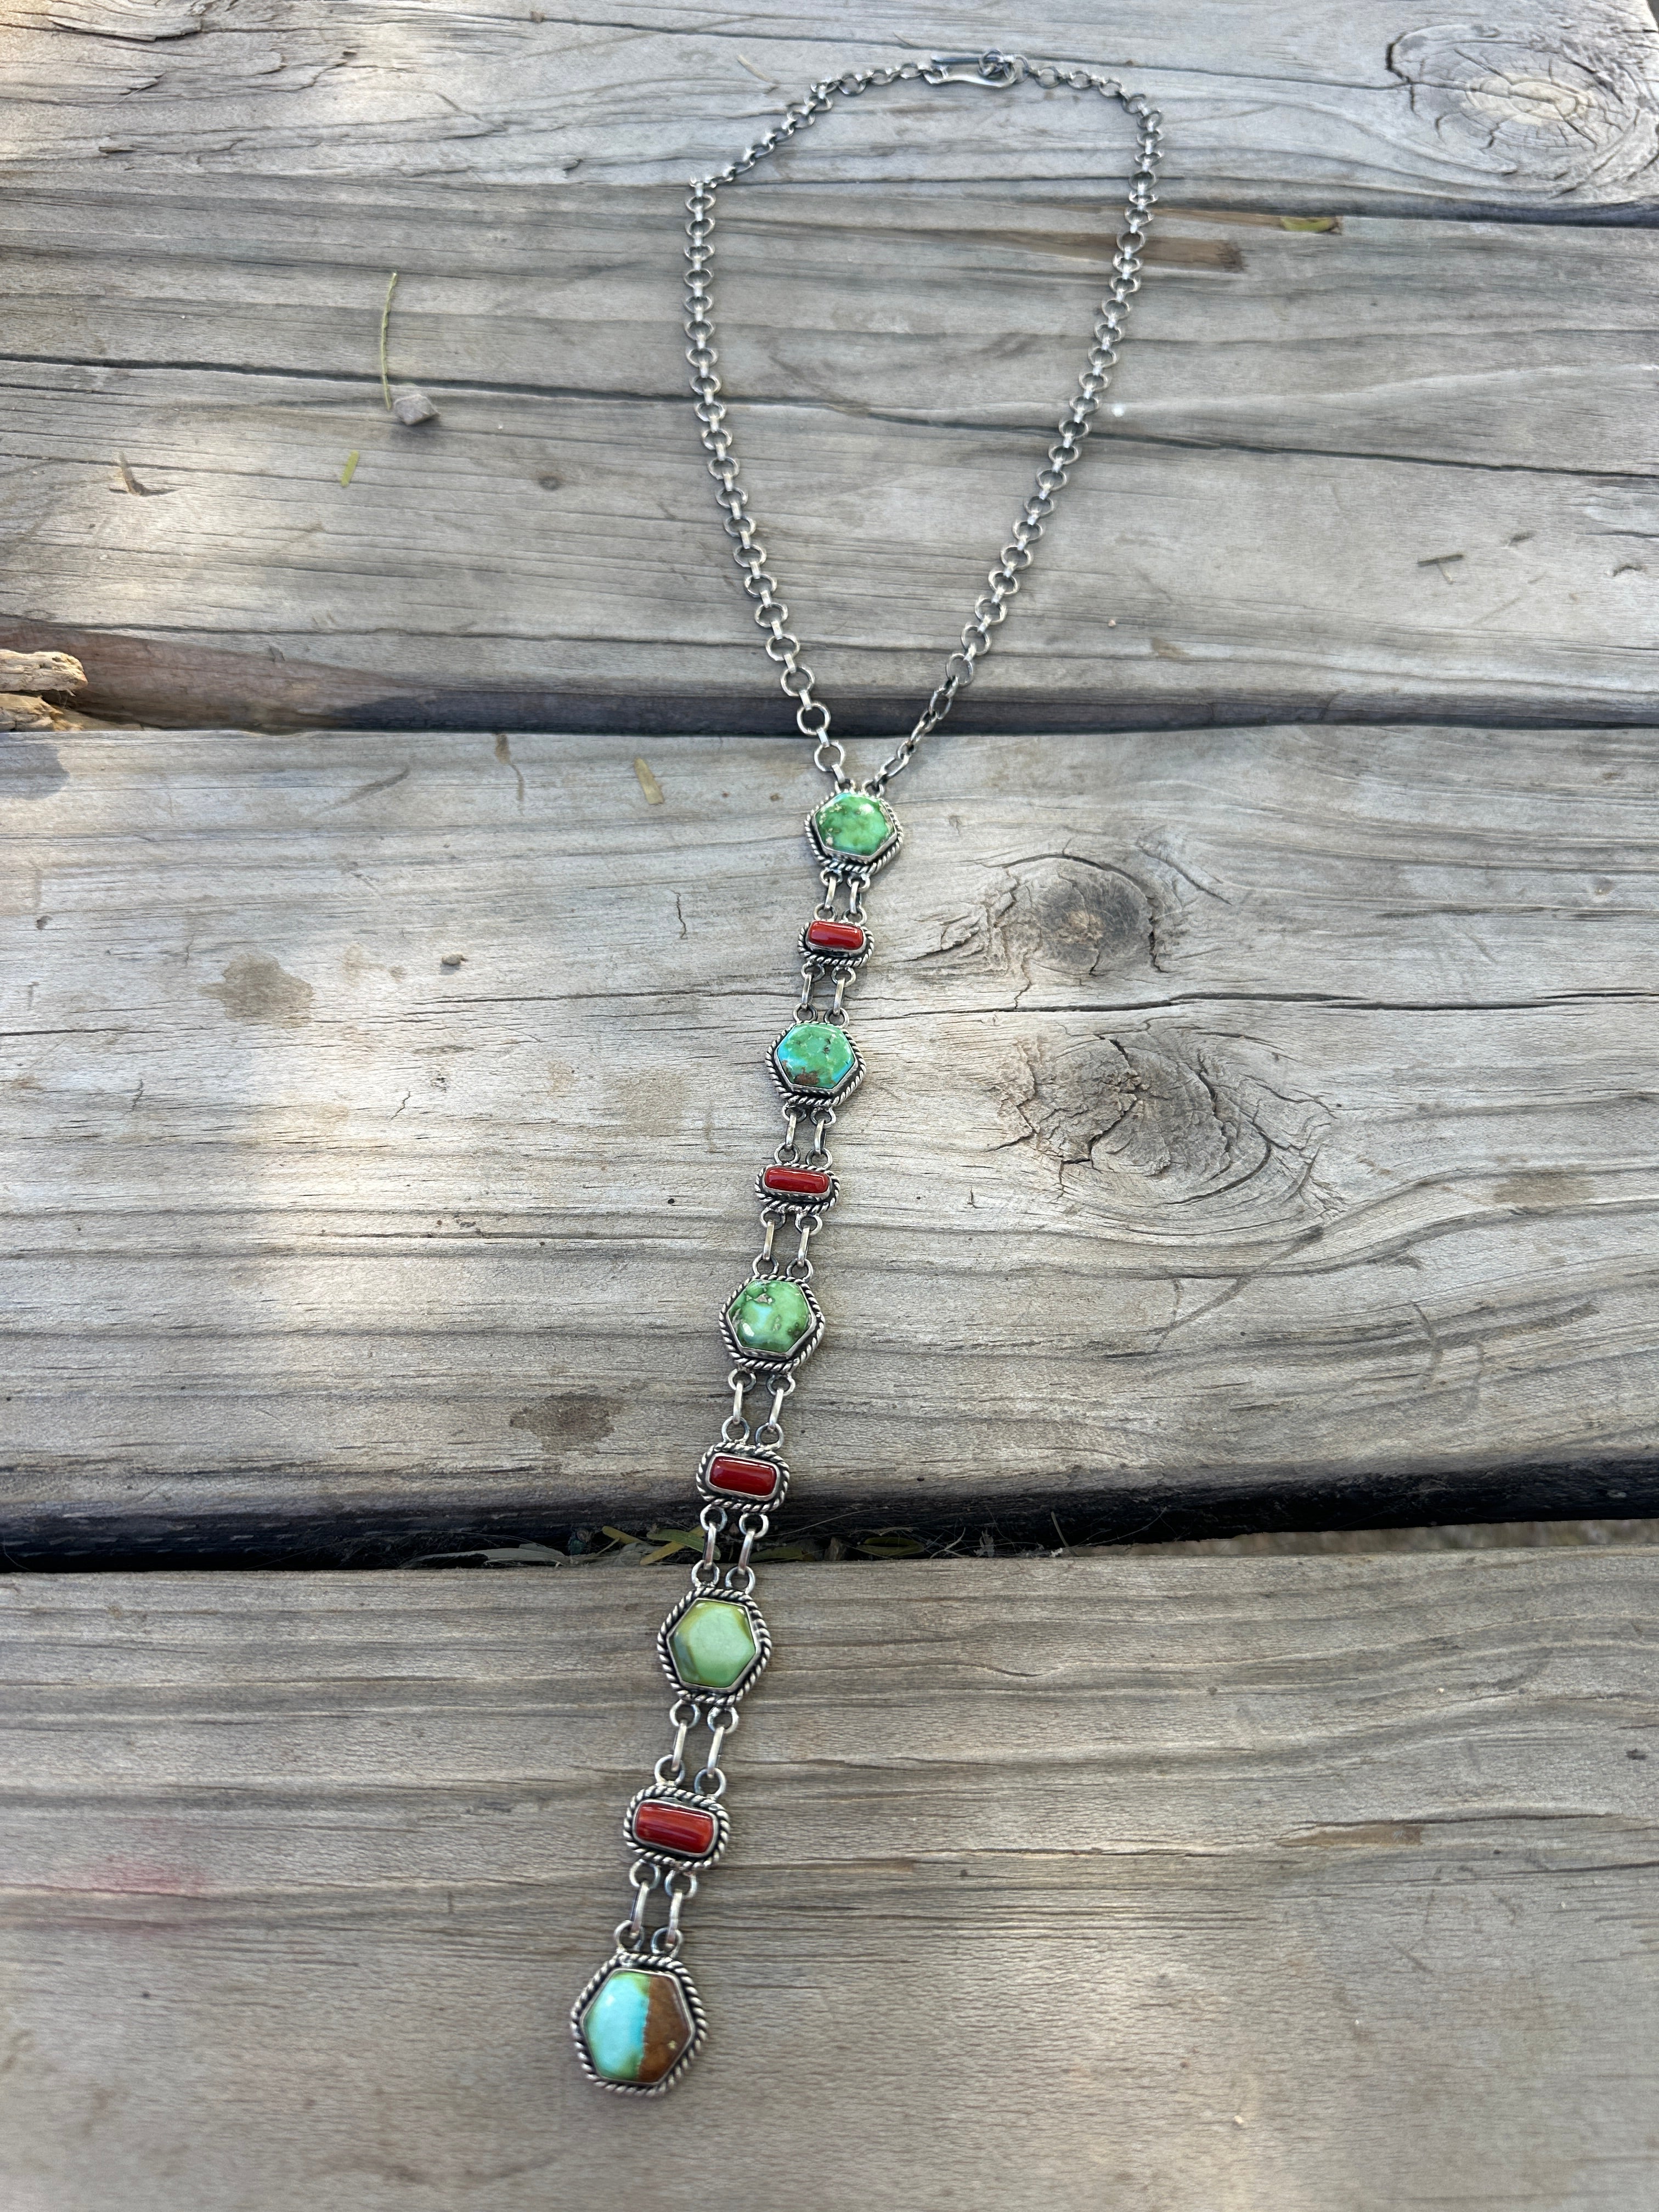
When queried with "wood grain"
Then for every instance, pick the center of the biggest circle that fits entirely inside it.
(1318, 107)
(1312, 1882)
(1402, 470)
(1260, 1129)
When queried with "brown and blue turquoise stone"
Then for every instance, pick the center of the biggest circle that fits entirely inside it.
(713, 1644)
(855, 824)
(770, 1318)
(636, 2026)
(815, 1056)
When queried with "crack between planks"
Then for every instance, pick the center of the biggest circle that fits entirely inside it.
(1256, 997)
(899, 418)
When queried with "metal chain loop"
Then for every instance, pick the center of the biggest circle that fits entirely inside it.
(670, 1768)
(705, 1574)
(710, 1780)
(769, 1434)
(645, 1876)
(679, 1886)
(991, 608)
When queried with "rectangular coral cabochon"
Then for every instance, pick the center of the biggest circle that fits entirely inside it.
(797, 1182)
(743, 1478)
(835, 937)
(673, 1828)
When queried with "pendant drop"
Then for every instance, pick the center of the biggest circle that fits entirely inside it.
(638, 2024)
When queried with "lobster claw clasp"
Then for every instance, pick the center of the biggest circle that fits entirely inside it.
(989, 68)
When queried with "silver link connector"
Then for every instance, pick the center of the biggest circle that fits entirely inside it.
(989, 68)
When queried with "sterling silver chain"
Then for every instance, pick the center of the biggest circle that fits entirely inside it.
(1000, 71)
(640, 2021)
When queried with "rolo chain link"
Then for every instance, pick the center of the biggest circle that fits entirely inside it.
(991, 608)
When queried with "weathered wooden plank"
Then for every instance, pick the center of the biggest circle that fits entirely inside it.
(1313, 1882)
(1304, 424)
(1394, 105)
(1261, 1127)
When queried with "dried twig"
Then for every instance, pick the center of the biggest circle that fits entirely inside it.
(130, 483)
(385, 317)
(409, 408)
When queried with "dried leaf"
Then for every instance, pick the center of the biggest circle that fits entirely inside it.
(892, 1544)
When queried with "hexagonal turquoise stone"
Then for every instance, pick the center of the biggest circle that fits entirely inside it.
(815, 1056)
(713, 1644)
(770, 1318)
(854, 823)
(636, 2026)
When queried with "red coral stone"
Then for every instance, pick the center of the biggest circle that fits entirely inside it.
(797, 1182)
(743, 1478)
(673, 1828)
(835, 937)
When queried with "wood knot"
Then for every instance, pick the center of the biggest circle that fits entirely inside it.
(1058, 917)
(1574, 104)
(566, 1418)
(1165, 1129)
(256, 988)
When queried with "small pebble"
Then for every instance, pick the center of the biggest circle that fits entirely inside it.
(452, 959)
(412, 407)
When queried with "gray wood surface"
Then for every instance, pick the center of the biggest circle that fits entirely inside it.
(1401, 469)
(1528, 107)
(1260, 1124)
(1309, 1883)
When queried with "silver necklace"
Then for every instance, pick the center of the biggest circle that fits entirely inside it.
(639, 2022)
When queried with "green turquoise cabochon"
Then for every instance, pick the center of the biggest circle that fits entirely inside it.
(636, 2025)
(817, 1056)
(713, 1644)
(855, 824)
(771, 1318)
